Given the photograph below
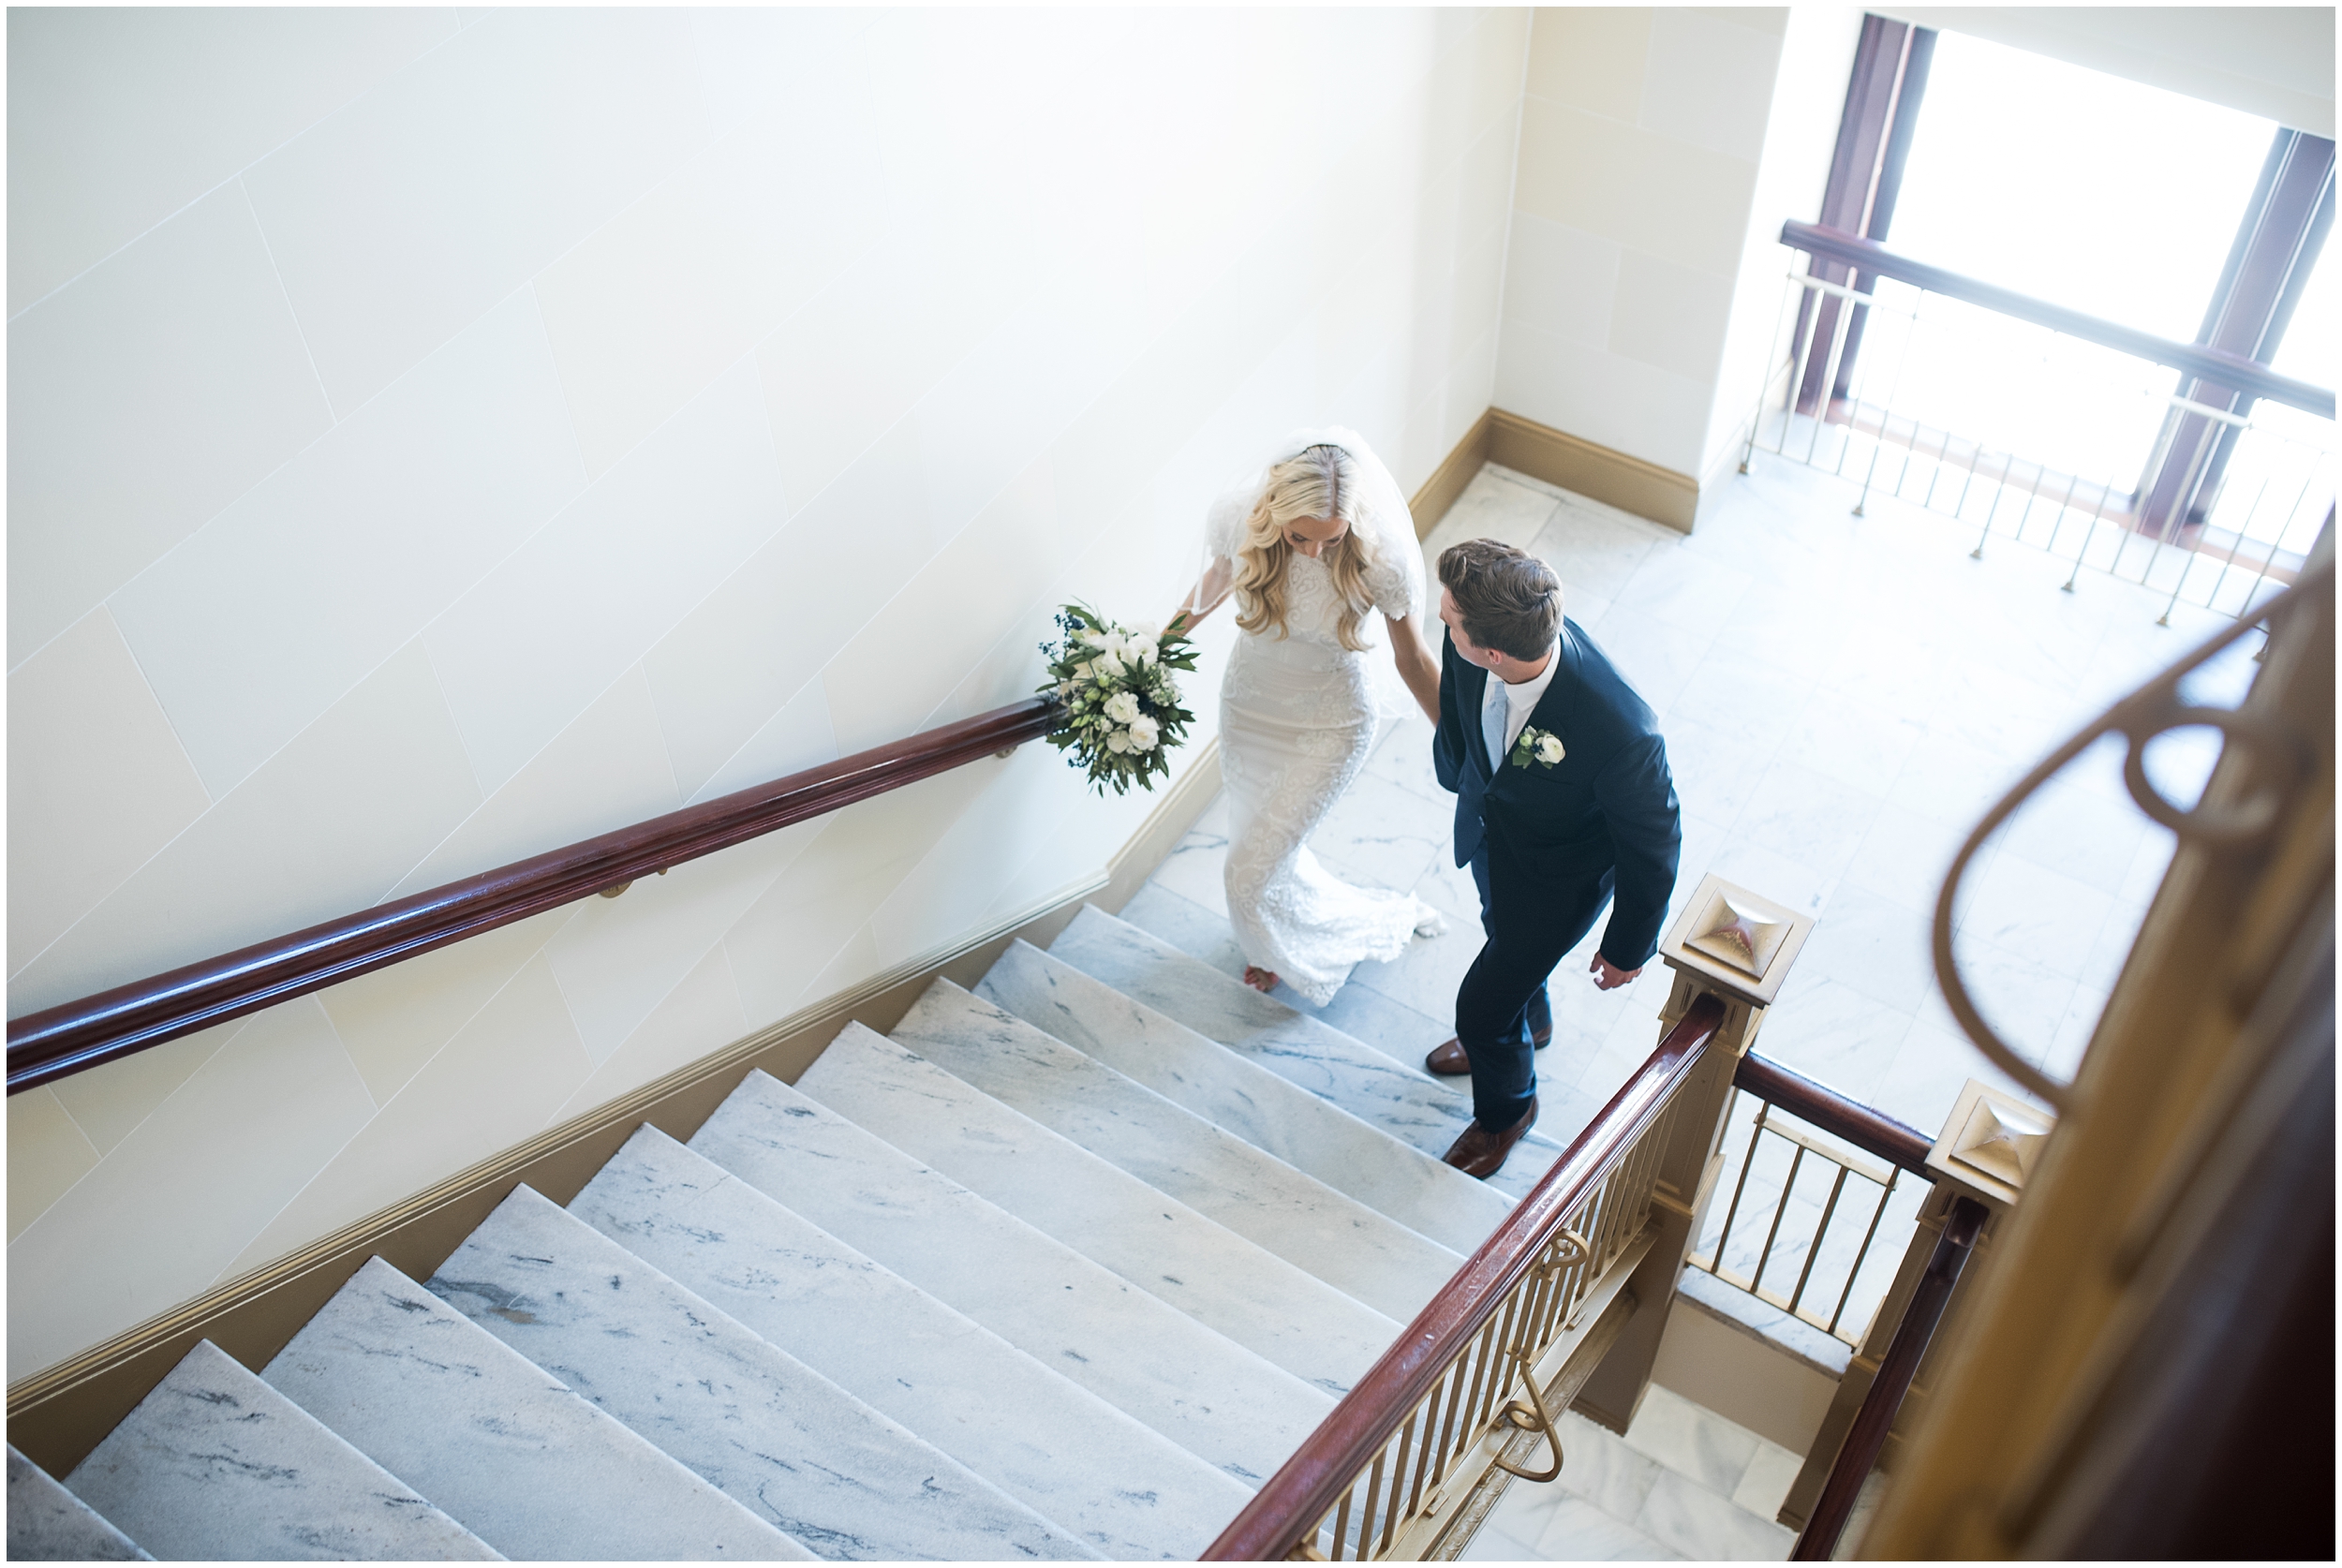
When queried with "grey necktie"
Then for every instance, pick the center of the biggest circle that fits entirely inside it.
(1494, 708)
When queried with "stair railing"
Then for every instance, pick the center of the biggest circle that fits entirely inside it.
(76, 1036)
(1866, 1440)
(1397, 1470)
(1785, 1105)
(2239, 463)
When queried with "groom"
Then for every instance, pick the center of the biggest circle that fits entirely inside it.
(1562, 801)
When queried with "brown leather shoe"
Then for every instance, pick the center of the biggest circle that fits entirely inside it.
(1481, 1153)
(1449, 1062)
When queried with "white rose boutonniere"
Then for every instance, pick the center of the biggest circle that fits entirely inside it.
(1541, 747)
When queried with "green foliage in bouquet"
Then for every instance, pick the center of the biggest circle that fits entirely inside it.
(1122, 713)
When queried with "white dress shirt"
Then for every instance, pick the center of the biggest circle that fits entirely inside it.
(1519, 700)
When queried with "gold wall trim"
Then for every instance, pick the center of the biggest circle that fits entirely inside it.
(1593, 470)
(57, 1415)
(1438, 493)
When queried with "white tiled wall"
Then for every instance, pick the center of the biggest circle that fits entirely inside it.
(1660, 149)
(437, 435)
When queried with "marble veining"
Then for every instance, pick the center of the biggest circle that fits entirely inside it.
(49, 1524)
(1688, 1440)
(1229, 1285)
(1399, 1097)
(1690, 1520)
(499, 1442)
(214, 1463)
(1552, 1526)
(775, 1436)
(1061, 1450)
(1269, 1112)
(1206, 1394)
(1357, 1250)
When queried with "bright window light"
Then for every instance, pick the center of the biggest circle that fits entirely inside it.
(2114, 199)
(2105, 195)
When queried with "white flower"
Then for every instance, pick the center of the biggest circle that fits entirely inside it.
(1095, 639)
(1147, 632)
(1122, 707)
(1144, 733)
(1119, 742)
(1549, 749)
(1147, 652)
(1087, 669)
(1107, 664)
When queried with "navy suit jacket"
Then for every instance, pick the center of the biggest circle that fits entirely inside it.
(1607, 806)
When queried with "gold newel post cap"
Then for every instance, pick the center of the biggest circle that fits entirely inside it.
(1741, 943)
(1990, 1143)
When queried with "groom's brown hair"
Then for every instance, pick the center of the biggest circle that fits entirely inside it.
(1509, 599)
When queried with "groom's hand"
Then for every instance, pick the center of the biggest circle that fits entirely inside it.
(1608, 976)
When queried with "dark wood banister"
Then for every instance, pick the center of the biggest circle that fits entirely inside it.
(1835, 1113)
(1285, 1510)
(2232, 371)
(77, 1036)
(1858, 1455)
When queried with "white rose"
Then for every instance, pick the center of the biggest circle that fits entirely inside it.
(1549, 749)
(1144, 733)
(1119, 742)
(1147, 652)
(1107, 664)
(1122, 707)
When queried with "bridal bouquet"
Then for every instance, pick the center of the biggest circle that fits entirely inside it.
(1122, 709)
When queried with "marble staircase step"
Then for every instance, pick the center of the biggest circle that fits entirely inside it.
(1232, 1286)
(214, 1463)
(777, 1437)
(1397, 1097)
(1121, 1487)
(520, 1460)
(1273, 1113)
(1205, 1393)
(1359, 1251)
(49, 1524)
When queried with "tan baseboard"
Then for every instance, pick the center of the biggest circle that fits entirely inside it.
(1447, 480)
(1596, 471)
(57, 1415)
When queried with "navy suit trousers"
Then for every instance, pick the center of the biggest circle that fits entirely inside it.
(1503, 995)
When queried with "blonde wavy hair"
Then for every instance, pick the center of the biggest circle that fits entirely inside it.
(1320, 482)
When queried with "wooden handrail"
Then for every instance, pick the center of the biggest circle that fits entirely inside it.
(1288, 1507)
(2232, 371)
(77, 1036)
(1858, 1455)
(1835, 1113)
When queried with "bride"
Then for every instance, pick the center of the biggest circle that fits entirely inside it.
(1310, 546)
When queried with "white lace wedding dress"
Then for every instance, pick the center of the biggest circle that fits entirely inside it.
(1297, 720)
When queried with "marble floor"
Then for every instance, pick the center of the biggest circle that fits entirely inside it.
(1683, 1482)
(1842, 697)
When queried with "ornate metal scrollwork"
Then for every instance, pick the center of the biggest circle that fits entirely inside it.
(2279, 767)
(1531, 1417)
